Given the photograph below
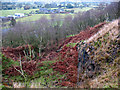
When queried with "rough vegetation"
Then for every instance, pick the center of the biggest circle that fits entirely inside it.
(67, 57)
(99, 58)
(99, 52)
(86, 59)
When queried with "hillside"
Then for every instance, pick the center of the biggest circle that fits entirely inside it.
(102, 57)
(87, 60)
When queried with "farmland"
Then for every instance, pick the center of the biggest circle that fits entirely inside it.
(76, 10)
(12, 12)
(35, 17)
(38, 16)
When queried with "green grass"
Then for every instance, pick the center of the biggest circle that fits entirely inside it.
(12, 12)
(85, 9)
(46, 76)
(71, 44)
(35, 17)
(6, 62)
(76, 10)
(53, 8)
(49, 62)
(70, 35)
(47, 80)
(38, 16)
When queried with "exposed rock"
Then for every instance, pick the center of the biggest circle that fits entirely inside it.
(99, 50)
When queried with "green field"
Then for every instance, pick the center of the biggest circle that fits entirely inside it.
(35, 17)
(38, 16)
(12, 12)
(76, 10)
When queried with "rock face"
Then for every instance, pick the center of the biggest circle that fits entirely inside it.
(100, 49)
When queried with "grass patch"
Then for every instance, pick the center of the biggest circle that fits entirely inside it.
(76, 10)
(47, 80)
(38, 16)
(44, 77)
(6, 62)
(32, 18)
(12, 12)
(71, 44)
(47, 76)
(49, 62)
(70, 35)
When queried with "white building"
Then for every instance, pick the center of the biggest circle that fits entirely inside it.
(19, 14)
(12, 16)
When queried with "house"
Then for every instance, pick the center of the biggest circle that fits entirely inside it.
(58, 10)
(51, 11)
(12, 16)
(19, 14)
(43, 10)
(61, 11)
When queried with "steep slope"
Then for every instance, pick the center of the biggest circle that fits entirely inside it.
(96, 47)
(99, 58)
(66, 56)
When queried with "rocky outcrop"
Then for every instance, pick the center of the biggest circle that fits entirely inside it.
(100, 49)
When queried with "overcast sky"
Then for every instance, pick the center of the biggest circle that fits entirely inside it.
(63, 0)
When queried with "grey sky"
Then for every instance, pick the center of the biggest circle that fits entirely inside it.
(64, 0)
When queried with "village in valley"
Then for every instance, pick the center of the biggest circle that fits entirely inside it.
(25, 9)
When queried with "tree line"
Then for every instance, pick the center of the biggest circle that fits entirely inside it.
(48, 32)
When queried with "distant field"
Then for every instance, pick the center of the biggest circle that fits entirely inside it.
(38, 16)
(12, 12)
(79, 9)
(33, 17)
